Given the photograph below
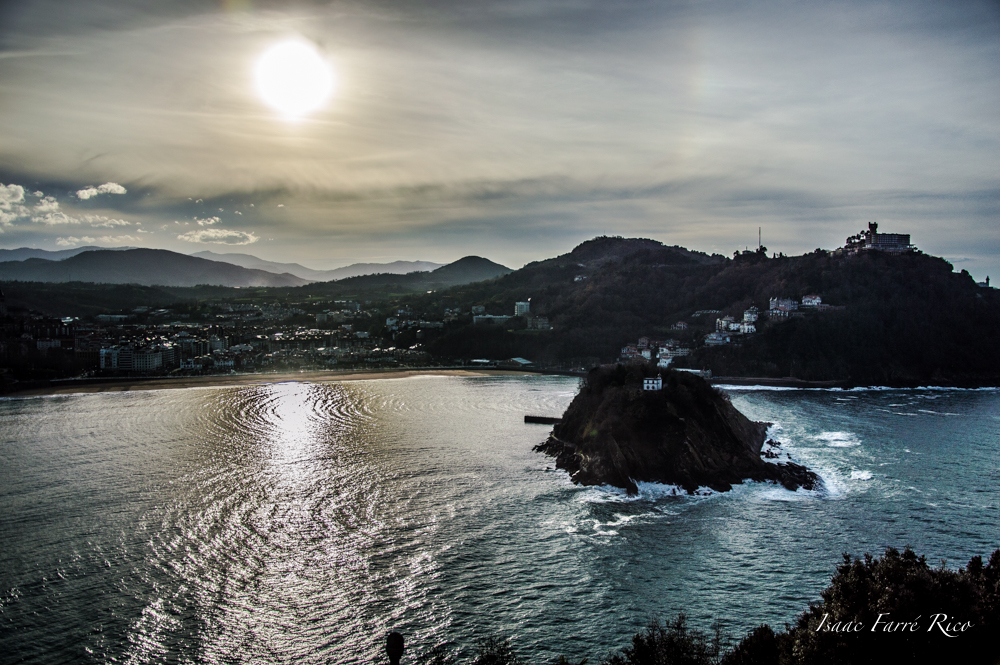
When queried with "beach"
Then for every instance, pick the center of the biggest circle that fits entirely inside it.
(72, 386)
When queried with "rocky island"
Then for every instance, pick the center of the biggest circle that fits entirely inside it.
(681, 431)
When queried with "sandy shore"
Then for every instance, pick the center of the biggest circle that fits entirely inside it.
(164, 383)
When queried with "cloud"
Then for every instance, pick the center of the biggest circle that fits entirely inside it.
(72, 241)
(47, 204)
(10, 194)
(11, 204)
(106, 188)
(46, 210)
(219, 237)
(53, 216)
(207, 222)
(105, 222)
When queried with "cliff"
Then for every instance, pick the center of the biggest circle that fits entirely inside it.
(685, 434)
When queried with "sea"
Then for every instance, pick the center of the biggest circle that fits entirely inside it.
(299, 522)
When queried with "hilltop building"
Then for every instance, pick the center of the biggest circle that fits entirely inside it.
(522, 308)
(872, 240)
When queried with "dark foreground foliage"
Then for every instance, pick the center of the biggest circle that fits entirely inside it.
(896, 606)
(954, 614)
(669, 644)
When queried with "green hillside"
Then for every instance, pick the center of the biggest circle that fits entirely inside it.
(905, 319)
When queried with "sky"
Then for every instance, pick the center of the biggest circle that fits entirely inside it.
(512, 130)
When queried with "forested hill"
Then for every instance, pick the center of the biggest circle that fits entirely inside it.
(905, 320)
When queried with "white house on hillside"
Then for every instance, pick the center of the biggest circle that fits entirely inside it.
(811, 301)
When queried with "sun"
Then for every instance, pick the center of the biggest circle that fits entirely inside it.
(293, 78)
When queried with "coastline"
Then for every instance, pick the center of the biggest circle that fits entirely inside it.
(116, 384)
(123, 384)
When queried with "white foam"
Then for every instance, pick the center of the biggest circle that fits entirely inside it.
(723, 386)
(773, 448)
(838, 439)
(861, 475)
(833, 486)
(647, 492)
(762, 490)
(858, 389)
(771, 492)
(611, 528)
(660, 490)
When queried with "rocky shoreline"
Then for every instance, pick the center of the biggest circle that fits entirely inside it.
(686, 434)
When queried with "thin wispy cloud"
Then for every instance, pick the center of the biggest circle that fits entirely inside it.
(73, 241)
(219, 237)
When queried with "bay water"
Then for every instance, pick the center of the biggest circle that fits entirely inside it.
(299, 522)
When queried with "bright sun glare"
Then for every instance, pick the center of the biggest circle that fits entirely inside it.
(293, 78)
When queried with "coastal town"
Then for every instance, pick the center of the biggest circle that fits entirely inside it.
(224, 337)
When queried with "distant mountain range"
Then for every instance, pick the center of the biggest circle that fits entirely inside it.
(24, 253)
(353, 270)
(244, 261)
(165, 268)
(464, 271)
(141, 266)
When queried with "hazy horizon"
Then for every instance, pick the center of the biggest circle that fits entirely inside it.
(512, 131)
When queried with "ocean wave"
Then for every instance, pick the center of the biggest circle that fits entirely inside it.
(856, 389)
(832, 486)
(838, 439)
(647, 492)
